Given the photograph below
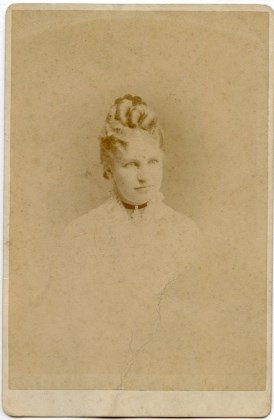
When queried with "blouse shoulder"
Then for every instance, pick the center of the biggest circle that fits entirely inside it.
(88, 223)
(182, 223)
(185, 233)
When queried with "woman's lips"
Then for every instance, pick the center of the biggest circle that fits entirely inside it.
(144, 187)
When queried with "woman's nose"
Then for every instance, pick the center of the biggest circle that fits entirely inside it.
(142, 174)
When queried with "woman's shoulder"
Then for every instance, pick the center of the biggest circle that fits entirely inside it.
(89, 222)
(186, 236)
(180, 222)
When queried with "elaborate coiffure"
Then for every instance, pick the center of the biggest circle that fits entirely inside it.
(126, 115)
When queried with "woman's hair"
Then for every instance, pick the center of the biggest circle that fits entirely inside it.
(126, 115)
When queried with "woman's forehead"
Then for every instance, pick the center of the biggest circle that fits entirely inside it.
(140, 146)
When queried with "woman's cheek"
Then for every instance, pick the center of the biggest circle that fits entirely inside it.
(126, 175)
(122, 172)
(157, 171)
(129, 172)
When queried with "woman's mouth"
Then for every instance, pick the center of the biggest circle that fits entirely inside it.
(144, 187)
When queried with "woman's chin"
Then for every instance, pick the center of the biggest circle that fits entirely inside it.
(143, 197)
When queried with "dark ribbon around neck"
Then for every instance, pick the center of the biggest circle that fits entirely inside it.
(132, 207)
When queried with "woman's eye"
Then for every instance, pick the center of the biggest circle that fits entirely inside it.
(129, 164)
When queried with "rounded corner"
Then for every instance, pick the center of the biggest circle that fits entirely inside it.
(267, 411)
(265, 8)
(8, 411)
(9, 10)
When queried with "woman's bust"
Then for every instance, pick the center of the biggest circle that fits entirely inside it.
(134, 235)
(121, 258)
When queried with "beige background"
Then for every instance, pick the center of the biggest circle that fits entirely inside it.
(206, 76)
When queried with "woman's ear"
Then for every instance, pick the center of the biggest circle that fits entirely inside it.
(107, 172)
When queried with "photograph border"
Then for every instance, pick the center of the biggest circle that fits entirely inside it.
(78, 403)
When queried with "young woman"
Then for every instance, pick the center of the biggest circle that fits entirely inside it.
(119, 260)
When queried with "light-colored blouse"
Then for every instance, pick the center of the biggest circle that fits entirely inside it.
(113, 273)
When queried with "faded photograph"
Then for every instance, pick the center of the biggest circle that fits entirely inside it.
(120, 258)
(139, 203)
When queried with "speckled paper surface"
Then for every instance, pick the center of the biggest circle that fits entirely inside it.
(97, 321)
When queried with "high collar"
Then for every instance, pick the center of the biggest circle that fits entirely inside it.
(146, 212)
(133, 207)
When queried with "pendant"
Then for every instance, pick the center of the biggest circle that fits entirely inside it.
(136, 216)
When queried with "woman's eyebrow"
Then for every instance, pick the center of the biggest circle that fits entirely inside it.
(129, 158)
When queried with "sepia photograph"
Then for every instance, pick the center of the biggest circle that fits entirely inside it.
(138, 206)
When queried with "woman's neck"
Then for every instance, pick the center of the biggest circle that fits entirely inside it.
(130, 207)
(133, 206)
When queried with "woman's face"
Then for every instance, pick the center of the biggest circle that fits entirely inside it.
(137, 169)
